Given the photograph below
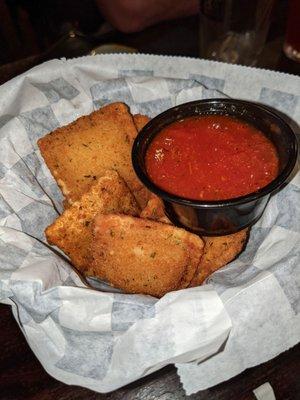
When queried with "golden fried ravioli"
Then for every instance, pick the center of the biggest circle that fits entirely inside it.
(140, 121)
(155, 210)
(143, 256)
(143, 194)
(71, 232)
(219, 251)
(79, 153)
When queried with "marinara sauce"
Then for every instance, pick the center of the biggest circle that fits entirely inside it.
(212, 157)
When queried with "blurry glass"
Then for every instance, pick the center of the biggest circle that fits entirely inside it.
(291, 45)
(234, 31)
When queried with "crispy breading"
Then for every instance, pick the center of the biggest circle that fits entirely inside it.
(79, 153)
(155, 210)
(143, 194)
(140, 121)
(143, 256)
(219, 251)
(71, 232)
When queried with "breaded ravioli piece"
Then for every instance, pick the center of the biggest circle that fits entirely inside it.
(143, 256)
(140, 121)
(219, 251)
(79, 153)
(155, 210)
(71, 232)
(142, 195)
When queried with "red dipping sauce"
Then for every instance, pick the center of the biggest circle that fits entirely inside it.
(212, 157)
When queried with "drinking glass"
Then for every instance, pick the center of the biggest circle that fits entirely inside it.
(291, 45)
(234, 31)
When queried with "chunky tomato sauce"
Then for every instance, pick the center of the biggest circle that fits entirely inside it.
(213, 157)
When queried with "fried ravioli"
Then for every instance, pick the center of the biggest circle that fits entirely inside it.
(140, 121)
(155, 210)
(71, 232)
(219, 251)
(143, 194)
(79, 153)
(142, 256)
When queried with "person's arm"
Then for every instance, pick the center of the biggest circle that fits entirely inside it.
(135, 15)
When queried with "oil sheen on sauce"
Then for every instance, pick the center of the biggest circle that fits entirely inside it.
(212, 157)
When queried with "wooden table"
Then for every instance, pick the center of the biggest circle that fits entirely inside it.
(21, 375)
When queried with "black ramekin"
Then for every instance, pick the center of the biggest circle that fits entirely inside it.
(216, 218)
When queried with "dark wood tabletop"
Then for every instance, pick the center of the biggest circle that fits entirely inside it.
(22, 376)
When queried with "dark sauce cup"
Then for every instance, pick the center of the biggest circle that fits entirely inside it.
(217, 218)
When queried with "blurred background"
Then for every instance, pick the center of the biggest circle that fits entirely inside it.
(33, 31)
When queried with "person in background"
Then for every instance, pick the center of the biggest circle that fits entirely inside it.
(135, 15)
(31, 27)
